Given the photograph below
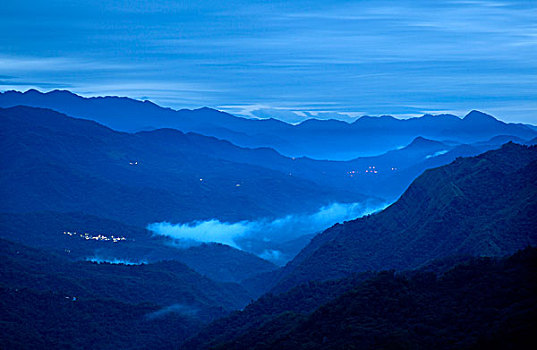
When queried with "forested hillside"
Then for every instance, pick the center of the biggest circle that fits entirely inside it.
(483, 205)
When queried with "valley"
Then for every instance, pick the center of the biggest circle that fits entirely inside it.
(208, 244)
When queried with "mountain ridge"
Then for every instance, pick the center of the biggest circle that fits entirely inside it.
(340, 140)
(441, 213)
(68, 150)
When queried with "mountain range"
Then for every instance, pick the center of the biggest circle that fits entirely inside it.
(318, 139)
(449, 264)
(57, 163)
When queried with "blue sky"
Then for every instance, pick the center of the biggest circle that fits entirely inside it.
(288, 59)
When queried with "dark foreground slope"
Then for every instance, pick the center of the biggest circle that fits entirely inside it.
(163, 283)
(32, 319)
(48, 301)
(484, 205)
(484, 303)
(300, 300)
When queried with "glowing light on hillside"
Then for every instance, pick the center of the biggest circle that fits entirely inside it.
(99, 237)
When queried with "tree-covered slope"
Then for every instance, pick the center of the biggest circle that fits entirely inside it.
(31, 319)
(163, 283)
(484, 205)
(484, 303)
(49, 301)
(300, 300)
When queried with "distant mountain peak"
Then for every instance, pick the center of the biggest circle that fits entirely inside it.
(421, 141)
(323, 122)
(55, 92)
(475, 115)
(207, 109)
(31, 91)
(443, 116)
(59, 91)
(375, 119)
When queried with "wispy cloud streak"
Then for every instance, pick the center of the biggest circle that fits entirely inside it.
(369, 56)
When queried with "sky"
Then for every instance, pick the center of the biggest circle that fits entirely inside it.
(286, 59)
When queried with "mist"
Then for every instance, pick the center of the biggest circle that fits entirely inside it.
(261, 237)
(436, 154)
(181, 309)
(101, 260)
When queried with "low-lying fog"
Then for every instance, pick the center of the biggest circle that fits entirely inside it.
(274, 240)
(101, 260)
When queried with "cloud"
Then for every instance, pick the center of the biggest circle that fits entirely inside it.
(289, 114)
(436, 154)
(325, 115)
(101, 260)
(342, 56)
(271, 255)
(257, 236)
(181, 309)
(203, 231)
(54, 64)
(281, 114)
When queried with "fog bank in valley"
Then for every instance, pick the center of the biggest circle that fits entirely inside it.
(269, 239)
